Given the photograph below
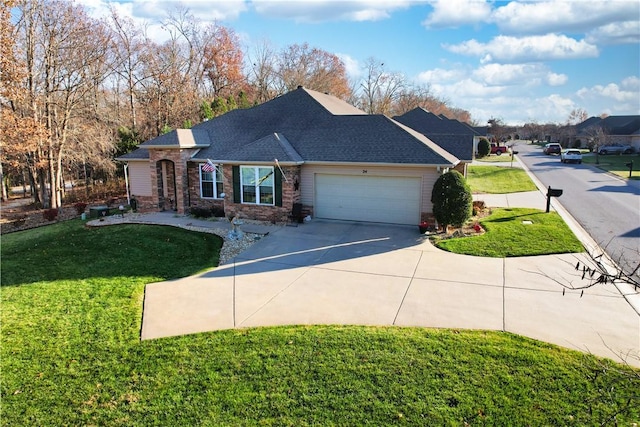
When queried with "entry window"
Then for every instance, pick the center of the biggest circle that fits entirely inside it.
(257, 185)
(210, 182)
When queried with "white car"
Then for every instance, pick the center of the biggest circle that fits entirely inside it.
(570, 156)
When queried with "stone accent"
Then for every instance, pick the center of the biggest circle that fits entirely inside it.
(145, 203)
(176, 178)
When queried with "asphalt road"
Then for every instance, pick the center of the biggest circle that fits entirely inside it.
(607, 207)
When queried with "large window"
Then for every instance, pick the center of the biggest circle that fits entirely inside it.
(257, 185)
(210, 182)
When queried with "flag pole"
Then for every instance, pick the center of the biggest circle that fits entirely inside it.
(281, 171)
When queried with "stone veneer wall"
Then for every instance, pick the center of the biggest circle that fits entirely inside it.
(179, 157)
(145, 203)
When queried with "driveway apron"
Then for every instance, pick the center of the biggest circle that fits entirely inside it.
(331, 272)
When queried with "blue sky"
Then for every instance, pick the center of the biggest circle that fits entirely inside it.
(516, 61)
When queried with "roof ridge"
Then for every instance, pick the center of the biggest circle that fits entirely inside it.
(287, 147)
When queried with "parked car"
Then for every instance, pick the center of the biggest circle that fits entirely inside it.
(552, 148)
(498, 149)
(570, 156)
(616, 149)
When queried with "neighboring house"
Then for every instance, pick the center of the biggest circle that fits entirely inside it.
(623, 130)
(456, 137)
(302, 147)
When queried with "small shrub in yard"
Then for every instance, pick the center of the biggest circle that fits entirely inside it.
(80, 207)
(452, 199)
(484, 148)
(200, 212)
(218, 212)
(50, 214)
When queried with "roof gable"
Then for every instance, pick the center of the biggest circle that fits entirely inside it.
(452, 135)
(266, 149)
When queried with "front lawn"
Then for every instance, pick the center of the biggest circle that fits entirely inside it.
(71, 354)
(493, 158)
(615, 163)
(498, 180)
(514, 232)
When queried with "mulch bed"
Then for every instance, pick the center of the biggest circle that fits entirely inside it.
(18, 215)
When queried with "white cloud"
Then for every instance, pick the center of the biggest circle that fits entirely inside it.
(329, 10)
(616, 33)
(518, 74)
(613, 96)
(439, 75)
(554, 79)
(454, 13)
(153, 11)
(562, 16)
(352, 66)
(526, 49)
(203, 10)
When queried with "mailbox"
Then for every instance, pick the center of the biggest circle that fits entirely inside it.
(552, 192)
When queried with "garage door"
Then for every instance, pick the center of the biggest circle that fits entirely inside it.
(393, 200)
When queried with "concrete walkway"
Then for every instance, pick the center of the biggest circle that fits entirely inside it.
(330, 272)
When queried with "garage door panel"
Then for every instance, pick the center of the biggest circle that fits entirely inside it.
(372, 198)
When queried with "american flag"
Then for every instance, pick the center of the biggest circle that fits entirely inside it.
(208, 167)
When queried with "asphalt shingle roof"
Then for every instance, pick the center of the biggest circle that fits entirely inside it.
(319, 128)
(138, 154)
(613, 125)
(452, 135)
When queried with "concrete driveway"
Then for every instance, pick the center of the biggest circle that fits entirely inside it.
(327, 272)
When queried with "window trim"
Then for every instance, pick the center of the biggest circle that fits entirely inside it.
(256, 172)
(216, 195)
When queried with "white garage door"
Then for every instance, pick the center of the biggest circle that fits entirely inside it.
(393, 200)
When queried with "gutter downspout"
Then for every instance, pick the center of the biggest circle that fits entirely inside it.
(126, 181)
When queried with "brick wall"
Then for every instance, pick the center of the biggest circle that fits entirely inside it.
(274, 214)
(176, 178)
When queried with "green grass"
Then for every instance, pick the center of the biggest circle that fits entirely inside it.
(492, 158)
(498, 180)
(71, 354)
(615, 163)
(507, 236)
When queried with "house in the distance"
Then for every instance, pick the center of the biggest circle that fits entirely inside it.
(303, 147)
(454, 136)
(623, 130)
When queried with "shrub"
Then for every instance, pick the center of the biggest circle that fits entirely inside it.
(80, 207)
(50, 214)
(218, 212)
(484, 147)
(200, 212)
(452, 199)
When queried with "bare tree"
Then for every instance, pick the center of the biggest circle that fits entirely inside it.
(130, 43)
(263, 71)
(380, 89)
(66, 56)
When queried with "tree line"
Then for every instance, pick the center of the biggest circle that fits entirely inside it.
(76, 92)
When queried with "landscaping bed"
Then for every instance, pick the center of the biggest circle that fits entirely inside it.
(22, 214)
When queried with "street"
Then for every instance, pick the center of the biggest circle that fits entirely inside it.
(607, 207)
